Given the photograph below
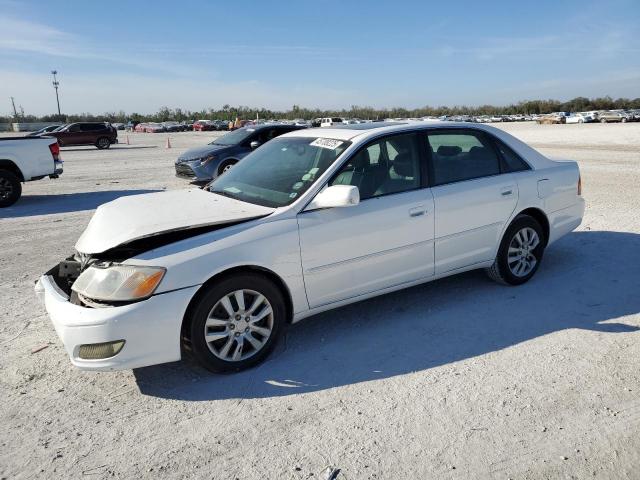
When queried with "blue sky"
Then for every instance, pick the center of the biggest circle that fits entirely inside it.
(139, 56)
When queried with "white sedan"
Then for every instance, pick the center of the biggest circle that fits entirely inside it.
(579, 118)
(311, 221)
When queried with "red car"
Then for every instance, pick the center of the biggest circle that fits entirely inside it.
(140, 128)
(154, 128)
(203, 126)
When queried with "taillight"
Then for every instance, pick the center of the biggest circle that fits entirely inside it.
(55, 151)
(579, 185)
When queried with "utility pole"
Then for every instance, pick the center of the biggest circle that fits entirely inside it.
(15, 112)
(56, 83)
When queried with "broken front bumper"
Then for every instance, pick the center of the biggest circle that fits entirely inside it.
(150, 328)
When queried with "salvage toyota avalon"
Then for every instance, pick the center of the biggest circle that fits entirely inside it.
(312, 220)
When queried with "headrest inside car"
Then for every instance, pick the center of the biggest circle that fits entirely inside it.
(449, 150)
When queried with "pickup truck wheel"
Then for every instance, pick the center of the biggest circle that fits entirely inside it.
(103, 143)
(10, 188)
(237, 322)
(520, 252)
(226, 166)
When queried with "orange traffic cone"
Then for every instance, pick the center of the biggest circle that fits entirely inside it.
(168, 143)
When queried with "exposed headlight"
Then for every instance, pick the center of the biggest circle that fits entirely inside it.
(207, 159)
(118, 283)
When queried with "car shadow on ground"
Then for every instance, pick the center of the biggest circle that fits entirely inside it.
(32, 205)
(587, 280)
(123, 146)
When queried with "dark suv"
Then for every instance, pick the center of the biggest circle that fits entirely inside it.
(206, 163)
(100, 134)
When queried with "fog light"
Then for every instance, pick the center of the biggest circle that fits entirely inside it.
(98, 351)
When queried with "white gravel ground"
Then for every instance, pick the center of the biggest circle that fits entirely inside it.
(457, 379)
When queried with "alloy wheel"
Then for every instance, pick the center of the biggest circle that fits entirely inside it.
(6, 189)
(239, 325)
(521, 256)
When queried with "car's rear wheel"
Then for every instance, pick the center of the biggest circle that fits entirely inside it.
(237, 322)
(520, 252)
(624, 120)
(103, 143)
(226, 166)
(10, 188)
(603, 120)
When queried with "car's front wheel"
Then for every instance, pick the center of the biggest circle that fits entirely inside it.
(226, 166)
(520, 252)
(237, 322)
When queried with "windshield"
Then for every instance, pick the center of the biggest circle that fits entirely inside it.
(235, 137)
(279, 171)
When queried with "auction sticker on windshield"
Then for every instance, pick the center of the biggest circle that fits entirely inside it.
(329, 143)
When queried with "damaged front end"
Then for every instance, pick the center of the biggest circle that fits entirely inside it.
(67, 272)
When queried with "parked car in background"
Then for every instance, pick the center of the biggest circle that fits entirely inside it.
(118, 126)
(205, 163)
(100, 134)
(330, 122)
(609, 116)
(221, 125)
(44, 130)
(154, 128)
(172, 127)
(552, 118)
(24, 159)
(311, 221)
(579, 118)
(203, 126)
(140, 127)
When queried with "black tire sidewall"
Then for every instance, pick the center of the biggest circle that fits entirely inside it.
(17, 188)
(224, 164)
(519, 223)
(208, 299)
(101, 147)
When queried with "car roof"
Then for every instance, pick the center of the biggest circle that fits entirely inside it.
(362, 131)
(360, 134)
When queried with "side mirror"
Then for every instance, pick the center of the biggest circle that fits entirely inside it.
(336, 196)
(255, 144)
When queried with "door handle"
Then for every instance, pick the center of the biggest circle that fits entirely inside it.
(506, 191)
(417, 211)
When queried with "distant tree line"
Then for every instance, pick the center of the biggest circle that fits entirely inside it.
(228, 112)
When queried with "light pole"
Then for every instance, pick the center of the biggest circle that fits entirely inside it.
(56, 83)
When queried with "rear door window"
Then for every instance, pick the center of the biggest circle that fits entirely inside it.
(461, 155)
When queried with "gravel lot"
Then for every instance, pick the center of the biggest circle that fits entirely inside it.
(457, 379)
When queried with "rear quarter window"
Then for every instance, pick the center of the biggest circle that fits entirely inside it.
(512, 161)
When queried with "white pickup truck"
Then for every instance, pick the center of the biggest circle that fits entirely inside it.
(24, 159)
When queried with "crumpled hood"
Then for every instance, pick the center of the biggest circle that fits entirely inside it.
(199, 152)
(138, 216)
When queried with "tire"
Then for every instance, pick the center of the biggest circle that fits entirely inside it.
(103, 143)
(510, 270)
(624, 120)
(225, 166)
(10, 188)
(229, 328)
(602, 120)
